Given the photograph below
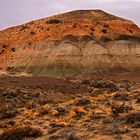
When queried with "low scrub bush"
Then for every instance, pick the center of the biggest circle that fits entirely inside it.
(4, 46)
(106, 26)
(53, 21)
(13, 49)
(104, 31)
(32, 33)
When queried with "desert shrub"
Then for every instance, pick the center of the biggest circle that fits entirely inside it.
(92, 29)
(104, 30)
(30, 43)
(32, 33)
(23, 28)
(77, 112)
(71, 136)
(132, 117)
(53, 21)
(97, 23)
(32, 22)
(40, 27)
(82, 102)
(4, 46)
(91, 34)
(96, 116)
(130, 31)
(56, 42)
(13, 49)
(9, 68)
(6, 113)
(106, 26)
(19, 133)
(58, 110)
(117, 109)
(120, 96)
(2, 51)
(104, 84)
(74, 25)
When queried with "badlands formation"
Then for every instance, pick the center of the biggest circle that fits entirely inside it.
(73, 76)
(72, 43)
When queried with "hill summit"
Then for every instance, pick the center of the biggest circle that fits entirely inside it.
(71, 43)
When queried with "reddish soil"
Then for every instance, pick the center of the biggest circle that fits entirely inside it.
(47, 83)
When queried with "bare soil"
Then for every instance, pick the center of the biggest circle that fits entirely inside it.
(99, 106)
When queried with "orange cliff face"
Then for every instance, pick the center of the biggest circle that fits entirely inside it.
(94, 23)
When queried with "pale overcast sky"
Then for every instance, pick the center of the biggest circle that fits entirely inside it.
(14, 12)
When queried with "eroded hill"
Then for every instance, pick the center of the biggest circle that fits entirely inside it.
(71, 43)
